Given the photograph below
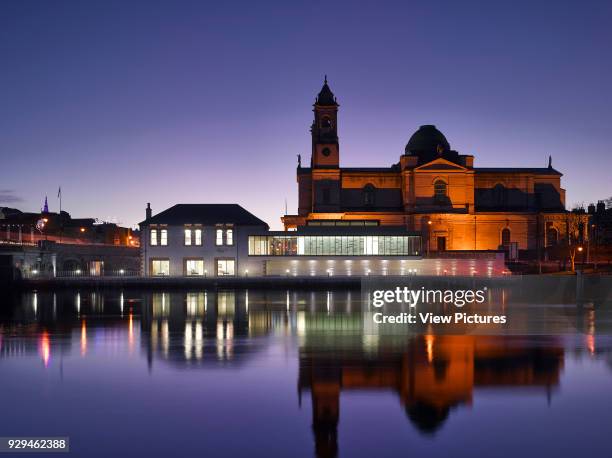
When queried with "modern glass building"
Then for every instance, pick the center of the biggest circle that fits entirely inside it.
(281, 244)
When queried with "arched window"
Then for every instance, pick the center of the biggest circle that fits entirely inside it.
(440, 192)
(552, 236)
(499, 195)
(369, 192)
(505, 237)
(326, 122)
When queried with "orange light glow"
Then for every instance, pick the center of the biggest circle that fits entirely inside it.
(131, 330)
(45, 348)
(82, 229)
(429, 341)
(83, 338)
(46, 220)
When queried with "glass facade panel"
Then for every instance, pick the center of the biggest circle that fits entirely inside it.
(339, 245)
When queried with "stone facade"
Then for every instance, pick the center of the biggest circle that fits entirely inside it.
(433, 190)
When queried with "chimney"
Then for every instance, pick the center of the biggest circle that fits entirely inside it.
(149, 211)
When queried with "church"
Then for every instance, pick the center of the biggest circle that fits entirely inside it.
(433, 190)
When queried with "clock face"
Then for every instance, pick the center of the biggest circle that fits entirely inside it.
(326, 152)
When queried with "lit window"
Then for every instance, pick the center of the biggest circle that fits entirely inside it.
(187, 236)
(226, 267)
(194, 267)
(229, 237)
(160, 267)
(163, 237)
(153, 236)
(219, 237)
(198, 236)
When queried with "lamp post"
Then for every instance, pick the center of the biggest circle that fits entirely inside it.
(428, 236)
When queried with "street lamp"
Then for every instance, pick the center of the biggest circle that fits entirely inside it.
(428, 236)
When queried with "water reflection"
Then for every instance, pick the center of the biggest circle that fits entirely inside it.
(431, 376)
(323, 332)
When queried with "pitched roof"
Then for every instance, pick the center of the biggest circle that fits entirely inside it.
(535, 170)
(326, 97)
(206, 214)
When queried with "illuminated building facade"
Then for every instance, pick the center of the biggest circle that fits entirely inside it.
(433, 191)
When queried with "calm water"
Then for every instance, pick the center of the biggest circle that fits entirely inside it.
(290, 374)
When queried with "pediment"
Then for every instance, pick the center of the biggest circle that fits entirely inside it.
(441, 164)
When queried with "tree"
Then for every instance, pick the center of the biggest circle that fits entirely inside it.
(576, 223)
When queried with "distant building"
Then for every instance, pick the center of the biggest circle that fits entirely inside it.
(28, 227)
(432, 190)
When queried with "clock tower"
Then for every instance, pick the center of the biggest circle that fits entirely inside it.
(324, 130)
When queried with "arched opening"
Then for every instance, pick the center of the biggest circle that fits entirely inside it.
(499, 195)
(326, 122)
(369, 192)
(440, 192)
(505, 237)
(552, 236)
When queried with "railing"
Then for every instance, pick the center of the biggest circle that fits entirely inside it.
(34, 274)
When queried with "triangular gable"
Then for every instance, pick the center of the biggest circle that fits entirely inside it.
(441, 164)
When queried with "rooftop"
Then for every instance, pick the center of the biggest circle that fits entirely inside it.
(207, 214)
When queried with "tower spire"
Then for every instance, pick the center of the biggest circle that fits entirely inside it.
(46, 207)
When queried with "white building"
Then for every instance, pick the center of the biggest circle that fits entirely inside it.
(199, 240)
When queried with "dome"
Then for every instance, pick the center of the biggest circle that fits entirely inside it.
(427, 140)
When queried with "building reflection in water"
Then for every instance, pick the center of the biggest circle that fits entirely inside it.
(431, 376)
(207, 326)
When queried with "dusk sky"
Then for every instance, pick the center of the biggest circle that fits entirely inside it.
(124, 103)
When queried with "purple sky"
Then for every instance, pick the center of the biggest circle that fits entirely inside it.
(169, 102)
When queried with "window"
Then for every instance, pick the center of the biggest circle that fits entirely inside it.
(226, 267)
(368, 194)
(187, 236)
(505, 237)
(219, 237)
(163, 237)
(335, 245)
(440, 192)
(326, 122)
(153, 237)
(326, 196)
(194, 267)
(198, 237)
(160, 267)
(229, 236)
(499, 195)
(552, 236)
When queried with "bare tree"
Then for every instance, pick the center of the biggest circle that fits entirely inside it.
(576, 223)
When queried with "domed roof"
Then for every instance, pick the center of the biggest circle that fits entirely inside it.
(427, 140)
